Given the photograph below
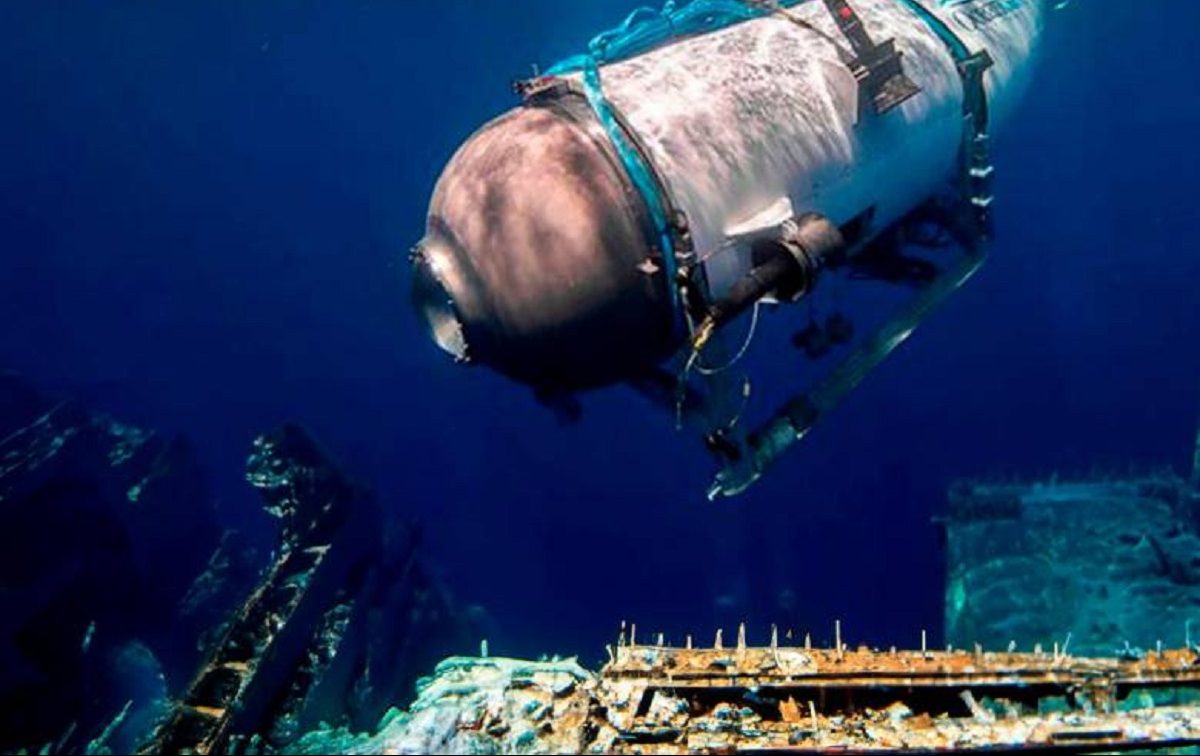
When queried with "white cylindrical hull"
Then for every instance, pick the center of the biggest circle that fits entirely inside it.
(737, 119)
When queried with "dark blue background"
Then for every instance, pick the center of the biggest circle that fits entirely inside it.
(204, 212)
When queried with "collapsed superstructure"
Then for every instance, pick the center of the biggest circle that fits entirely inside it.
(658, 699)
(1084, 585)
(337, 629)
(127, 611)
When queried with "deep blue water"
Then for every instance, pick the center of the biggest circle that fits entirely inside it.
(204, 213)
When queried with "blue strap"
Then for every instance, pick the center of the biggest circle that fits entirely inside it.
(643, 30)
(643, 178)
(957, 48)
(646, 29)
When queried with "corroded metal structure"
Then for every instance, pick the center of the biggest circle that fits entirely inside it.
(263, 643)
(1111, 561)
(655, 699)
(814, 700)
(337, 627)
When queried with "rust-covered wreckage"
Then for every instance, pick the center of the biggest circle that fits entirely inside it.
(654, 699)
(805, 699)
(289, 660)
(308, 650)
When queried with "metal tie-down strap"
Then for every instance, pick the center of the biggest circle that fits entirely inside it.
(685, 281)
(796, 418)
(977, 168)
(877, 67)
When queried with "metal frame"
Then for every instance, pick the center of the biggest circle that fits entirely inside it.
(969, 223)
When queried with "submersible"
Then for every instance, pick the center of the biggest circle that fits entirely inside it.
(704, 158)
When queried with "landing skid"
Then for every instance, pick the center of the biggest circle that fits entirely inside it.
(747, 458)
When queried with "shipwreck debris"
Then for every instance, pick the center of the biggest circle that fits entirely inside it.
(337, 627)
(119, 583)
(1112, 564)
(105, 528)
(655, 699)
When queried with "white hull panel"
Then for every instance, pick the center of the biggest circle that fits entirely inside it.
(737, 119)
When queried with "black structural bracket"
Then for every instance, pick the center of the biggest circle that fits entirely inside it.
(877, 66)
(977, 168)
